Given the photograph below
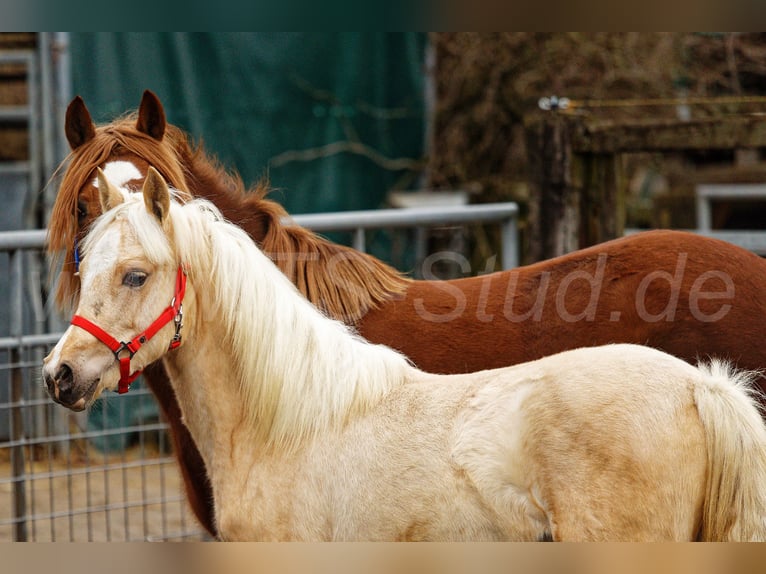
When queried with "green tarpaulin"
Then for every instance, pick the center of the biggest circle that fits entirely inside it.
(321, 114)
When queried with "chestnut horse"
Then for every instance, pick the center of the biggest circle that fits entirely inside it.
(688, 295)
(311, 433)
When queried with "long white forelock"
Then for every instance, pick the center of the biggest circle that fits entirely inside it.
(147, 229)
(151, 236)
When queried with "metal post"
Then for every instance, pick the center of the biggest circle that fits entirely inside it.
(421, 246)
(359, 242)
(17, 400)
(508, 235)
(704, 216)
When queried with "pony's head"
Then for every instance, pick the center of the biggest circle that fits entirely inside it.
(128, 312)
(124, 149)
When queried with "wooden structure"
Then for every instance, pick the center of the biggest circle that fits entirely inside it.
(575, 194)
(13, 96)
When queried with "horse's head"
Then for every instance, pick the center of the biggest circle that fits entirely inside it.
(124, 150)
(128, 279)
(122, 166)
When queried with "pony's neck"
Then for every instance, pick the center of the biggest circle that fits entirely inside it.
(207, 394)
(297, 372)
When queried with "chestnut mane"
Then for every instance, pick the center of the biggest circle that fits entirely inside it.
(339, 280)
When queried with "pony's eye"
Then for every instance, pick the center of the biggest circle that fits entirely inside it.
(134, 278)
(82, 212)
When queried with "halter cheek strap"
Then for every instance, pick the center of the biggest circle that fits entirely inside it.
(173, 312)
(76, 257)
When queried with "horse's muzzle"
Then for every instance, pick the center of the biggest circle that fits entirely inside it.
(63, 389)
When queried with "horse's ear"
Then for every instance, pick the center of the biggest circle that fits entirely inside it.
(108, 193)
(151, 116)
(78, 126)
(156, 194)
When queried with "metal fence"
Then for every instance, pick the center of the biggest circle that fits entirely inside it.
(104, 475)
(109, 474)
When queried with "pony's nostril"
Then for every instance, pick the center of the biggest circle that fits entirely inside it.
(49, 382)
(64, 378)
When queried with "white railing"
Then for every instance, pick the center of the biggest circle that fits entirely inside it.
(505, 214)
(706, 194)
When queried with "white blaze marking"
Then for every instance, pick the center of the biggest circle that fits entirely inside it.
(55, 355)
(119, 173)
(109, 245)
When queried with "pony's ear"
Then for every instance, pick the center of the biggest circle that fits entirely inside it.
(108, 193)
(156, 194)
(151, 116)
(78, 126)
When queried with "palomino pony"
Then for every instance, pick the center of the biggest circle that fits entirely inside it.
(309, 432)
(688, 295)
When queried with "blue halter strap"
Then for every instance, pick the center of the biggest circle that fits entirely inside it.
(76, 256)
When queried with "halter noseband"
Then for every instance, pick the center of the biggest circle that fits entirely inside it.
(173, 312)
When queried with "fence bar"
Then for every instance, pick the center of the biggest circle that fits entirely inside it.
(17, 400)
(360, 241)
(407, 217)
(42, 340)
(419, 218)
(23, 239)
(509, 234)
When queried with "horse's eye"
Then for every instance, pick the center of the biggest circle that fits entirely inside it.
(82, 212)
(134, 278)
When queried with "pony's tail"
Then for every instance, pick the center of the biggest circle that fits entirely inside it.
(735, 497)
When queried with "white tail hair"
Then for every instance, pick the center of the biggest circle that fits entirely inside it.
(735, 497)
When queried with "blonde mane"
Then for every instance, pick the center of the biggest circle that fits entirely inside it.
(299, 371)
(343, 282)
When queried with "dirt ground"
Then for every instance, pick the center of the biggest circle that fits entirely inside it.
(126, 498)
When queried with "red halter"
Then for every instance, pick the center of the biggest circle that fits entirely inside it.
(173, 312)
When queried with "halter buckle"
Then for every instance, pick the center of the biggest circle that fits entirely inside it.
(178, 320)
(124, 347)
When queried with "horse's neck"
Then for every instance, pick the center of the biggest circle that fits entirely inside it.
(289, 372)
(205, 384)
(343, 282)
